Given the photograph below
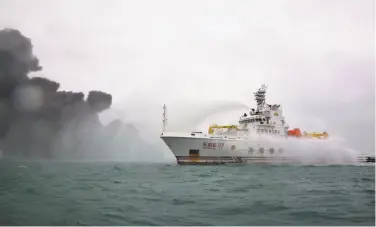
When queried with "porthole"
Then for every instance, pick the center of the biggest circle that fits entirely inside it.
(262, 150)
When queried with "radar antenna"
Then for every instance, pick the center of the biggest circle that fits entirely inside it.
(260, 98)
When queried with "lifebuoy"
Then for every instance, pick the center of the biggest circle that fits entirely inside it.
(233, 147)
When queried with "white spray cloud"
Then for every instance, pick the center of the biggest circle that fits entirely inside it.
(315, 151)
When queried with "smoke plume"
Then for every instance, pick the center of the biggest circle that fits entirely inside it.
(37, 119)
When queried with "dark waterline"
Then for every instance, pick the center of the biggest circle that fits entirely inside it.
(109, 193)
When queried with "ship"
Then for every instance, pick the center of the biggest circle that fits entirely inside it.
(242, 143)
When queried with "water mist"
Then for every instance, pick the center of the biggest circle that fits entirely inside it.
(315, 151)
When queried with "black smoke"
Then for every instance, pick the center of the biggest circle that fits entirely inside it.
(37, 119)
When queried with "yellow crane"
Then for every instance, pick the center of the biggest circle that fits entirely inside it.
(214, 126)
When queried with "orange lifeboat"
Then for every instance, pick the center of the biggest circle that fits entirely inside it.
(294, 132)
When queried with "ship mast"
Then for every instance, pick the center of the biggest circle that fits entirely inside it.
(164, 118)
(260, 98)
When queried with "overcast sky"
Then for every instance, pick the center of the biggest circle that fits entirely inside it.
(317, 57)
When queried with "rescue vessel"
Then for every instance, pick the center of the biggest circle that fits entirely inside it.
(243, 143)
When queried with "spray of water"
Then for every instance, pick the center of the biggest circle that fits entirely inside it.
(183, 115)
(187, 116)
(316, 151)
(189, 119)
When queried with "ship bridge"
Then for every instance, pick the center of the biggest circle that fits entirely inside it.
(266, 118)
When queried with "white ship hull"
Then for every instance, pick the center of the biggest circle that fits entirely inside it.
(198, 149)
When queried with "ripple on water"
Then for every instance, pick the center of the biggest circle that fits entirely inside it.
(122, 194)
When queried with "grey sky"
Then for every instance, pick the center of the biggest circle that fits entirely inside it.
(316, 56)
